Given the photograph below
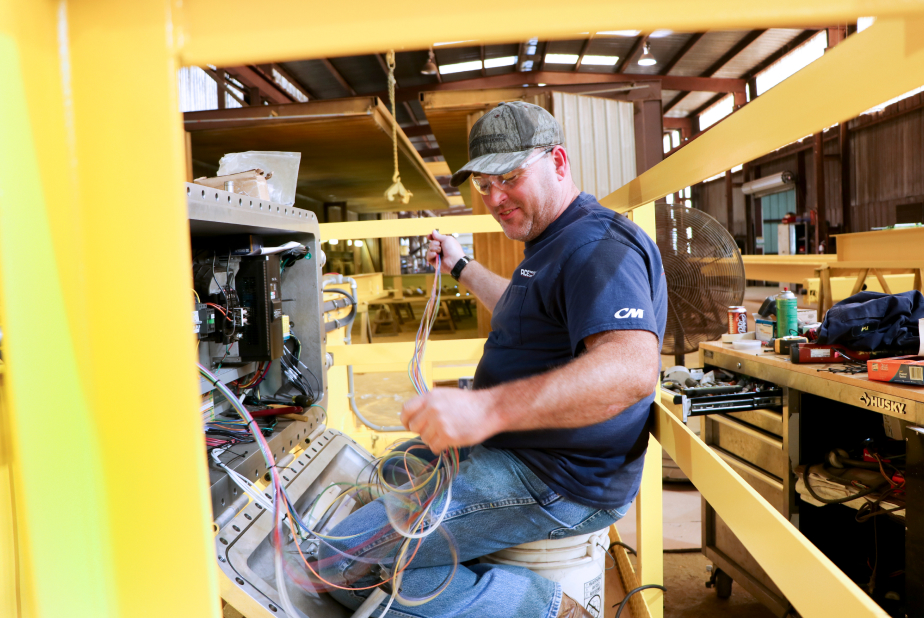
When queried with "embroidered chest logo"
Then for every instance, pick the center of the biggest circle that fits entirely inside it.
(527, 273)
(625, 312)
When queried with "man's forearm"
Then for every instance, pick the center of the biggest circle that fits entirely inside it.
(484, 284)
(591, 389)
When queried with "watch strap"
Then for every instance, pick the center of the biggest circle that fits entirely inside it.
(457, 269)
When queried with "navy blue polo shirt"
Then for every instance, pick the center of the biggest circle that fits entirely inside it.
(592, 270)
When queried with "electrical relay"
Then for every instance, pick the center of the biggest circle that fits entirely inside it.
(203, 320)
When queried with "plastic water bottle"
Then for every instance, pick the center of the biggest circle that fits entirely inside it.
(787, 319)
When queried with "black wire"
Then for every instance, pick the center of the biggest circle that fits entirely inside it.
(628, 549)
(622, 603)
(315, 397)
(300, 382)
(349, 319)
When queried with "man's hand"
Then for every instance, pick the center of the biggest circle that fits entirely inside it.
(446, 246)
(448, 417)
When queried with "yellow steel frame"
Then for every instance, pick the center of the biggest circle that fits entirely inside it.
(91, 152)
(810, 581)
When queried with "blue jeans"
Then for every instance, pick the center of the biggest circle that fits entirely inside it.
(497, 502)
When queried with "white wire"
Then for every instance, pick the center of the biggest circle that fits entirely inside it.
(411, 535)
(241, 481)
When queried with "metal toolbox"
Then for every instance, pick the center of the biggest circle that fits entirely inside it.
(733, 402)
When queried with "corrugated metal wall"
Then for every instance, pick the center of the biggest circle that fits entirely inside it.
(886, 163)
(599, 138)
(710, 197)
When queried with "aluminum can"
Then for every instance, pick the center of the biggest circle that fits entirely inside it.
(737, 320)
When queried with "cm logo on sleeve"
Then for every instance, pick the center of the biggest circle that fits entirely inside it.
(625, 312)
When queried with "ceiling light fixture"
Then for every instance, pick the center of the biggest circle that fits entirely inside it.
(429, 67)
(602, 61)
(561, 58)
(461, 67)
(647, 59)
(620, 32)
(505, 61)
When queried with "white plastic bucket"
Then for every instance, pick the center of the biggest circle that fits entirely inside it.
(577, 563)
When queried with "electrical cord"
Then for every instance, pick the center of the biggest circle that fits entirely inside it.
(622, 603)
(627, 547)
(347, 321)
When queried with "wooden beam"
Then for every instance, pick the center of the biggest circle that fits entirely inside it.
(562, 78)
(252, 78)
(693, 40)
(577, 65)
(483, 74)
(634, 53)
(429, 152)
(337, 76)
(418, 130)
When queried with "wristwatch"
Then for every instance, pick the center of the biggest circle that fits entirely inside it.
(457, 269)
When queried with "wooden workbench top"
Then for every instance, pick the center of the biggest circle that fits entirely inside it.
(899, 400)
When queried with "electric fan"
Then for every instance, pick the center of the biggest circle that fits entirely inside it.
(705, 276)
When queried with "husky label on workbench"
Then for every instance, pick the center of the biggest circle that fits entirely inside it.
(872, 401)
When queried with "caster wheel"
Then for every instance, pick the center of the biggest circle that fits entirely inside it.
(723, 585)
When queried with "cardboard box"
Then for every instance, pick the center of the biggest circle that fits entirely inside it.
(765, 327)
(901, 369)
(251, 183)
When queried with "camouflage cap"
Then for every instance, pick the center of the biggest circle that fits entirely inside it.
(502, 139)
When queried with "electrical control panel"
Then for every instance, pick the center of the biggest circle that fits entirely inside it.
(257, 301)
(258, 314)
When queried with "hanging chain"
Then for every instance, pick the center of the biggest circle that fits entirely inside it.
(396, 189)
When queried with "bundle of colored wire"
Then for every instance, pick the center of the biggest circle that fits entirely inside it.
(414, 368)
(416, 503)
(257, 377)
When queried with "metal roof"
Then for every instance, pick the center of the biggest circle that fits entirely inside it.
(695, 70)
(366, 74)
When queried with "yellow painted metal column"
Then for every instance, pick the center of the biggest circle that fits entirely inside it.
(95, 277)
(649, 504)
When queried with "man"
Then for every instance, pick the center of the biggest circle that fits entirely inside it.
(558, 420)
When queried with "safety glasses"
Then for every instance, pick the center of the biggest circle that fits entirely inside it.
(505, 182)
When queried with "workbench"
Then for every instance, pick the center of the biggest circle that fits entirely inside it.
(820, 411)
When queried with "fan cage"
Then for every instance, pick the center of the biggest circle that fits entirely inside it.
(704, 274)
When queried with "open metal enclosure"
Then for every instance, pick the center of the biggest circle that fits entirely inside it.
(244, 545)
(215, 213)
